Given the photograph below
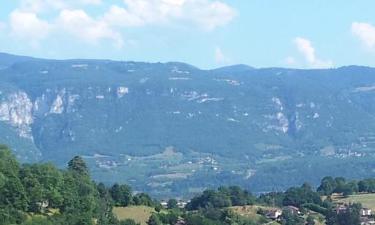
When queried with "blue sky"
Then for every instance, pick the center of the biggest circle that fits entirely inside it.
(205, 33)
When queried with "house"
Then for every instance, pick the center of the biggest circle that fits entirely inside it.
(366, 212)
(43, 205)
(181, 204)
(164, 204)
(341, 209)
(367, 221)
(180, 222)
(292, 209)
(274, 214)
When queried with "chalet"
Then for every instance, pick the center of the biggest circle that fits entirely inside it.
(274, 214)
(292, 209)
(366, 212)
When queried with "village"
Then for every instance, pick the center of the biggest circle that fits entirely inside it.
(367, 216)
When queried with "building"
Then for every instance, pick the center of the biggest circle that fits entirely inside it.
(274, 214)
(367, 221)
(292, 209)
(342, 209)
(181, 204)
(366, 212)
(164, 204)
(180, 222)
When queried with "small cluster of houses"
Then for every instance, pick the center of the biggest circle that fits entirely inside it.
(180, 204)
(275, 214)
(366, 214)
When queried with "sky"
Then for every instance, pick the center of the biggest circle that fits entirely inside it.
(204, 33)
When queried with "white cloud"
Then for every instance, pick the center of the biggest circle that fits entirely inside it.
(38, 6)
(211, 14)
(305, 47)
(365, 32)
(81, 25)
(27, 25)
(220, 57)
(204, 13)
(72, 19)
(118, 16)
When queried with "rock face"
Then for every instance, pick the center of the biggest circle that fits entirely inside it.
(16, 110)
(238, 124)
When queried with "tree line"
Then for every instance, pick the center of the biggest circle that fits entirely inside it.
(59, 197)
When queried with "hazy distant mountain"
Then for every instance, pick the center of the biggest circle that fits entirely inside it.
(174, 129)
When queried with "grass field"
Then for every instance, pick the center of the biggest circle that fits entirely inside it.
(139, 214)
(367, 200)
(251, 212)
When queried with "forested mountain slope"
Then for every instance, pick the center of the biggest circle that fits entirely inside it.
(171, 128)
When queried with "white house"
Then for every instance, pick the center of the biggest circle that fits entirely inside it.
(366, 212)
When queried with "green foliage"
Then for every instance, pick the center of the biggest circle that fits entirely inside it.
(39, 187)
(338, 95)
(168, 218)
(143, 199)
(78, 165)
(351, 216)
(331, 185)
(172, 203)
(10, 215)
(288, 218)
(315, 207)
(297, 196)
(154, 220)
(271, 199)
(121, 194)
(38, 221)
(223, 197)
(366, 185)
(310, 220)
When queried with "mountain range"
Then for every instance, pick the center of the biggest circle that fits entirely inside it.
(172, 129)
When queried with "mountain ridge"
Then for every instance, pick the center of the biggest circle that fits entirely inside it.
(232, 66)
(172, 129)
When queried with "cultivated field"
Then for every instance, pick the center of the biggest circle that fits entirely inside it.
(139, 214)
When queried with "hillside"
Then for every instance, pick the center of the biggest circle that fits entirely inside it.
(153, 125)
(367, 200)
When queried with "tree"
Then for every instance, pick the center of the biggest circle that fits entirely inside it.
(351, 216)
(121, 194)
(78, 165)
(172, 204)
(363, 186)
(288, 218)
(12, 191)
(298, 196)
(216, 199)
(154, 220)
(143, 199)
(327, 186)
